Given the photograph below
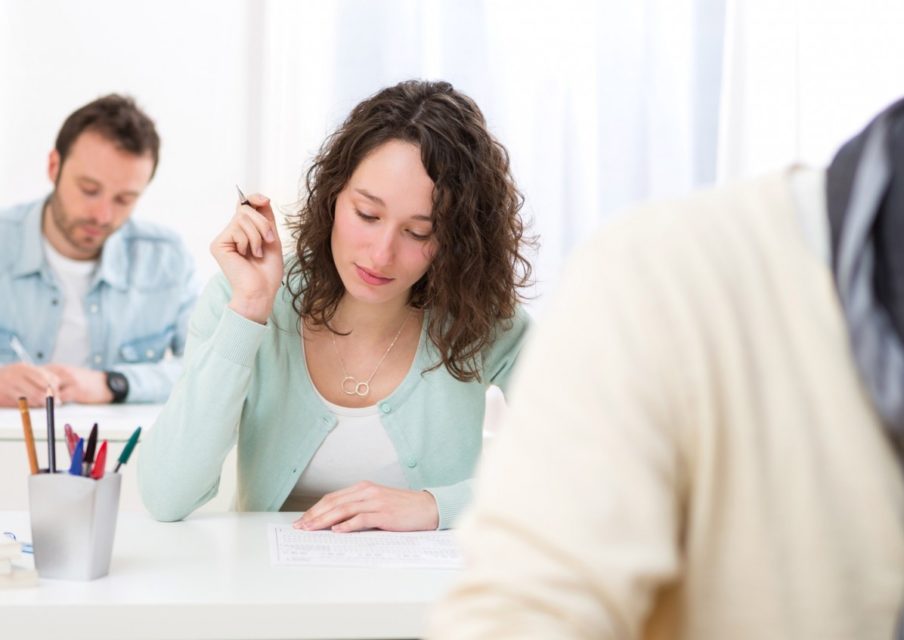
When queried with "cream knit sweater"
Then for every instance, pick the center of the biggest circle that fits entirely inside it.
(690, 453)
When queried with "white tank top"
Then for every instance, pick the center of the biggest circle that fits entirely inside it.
(73, 342)
(357, 449)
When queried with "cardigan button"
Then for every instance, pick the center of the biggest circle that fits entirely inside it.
(385, 407)
(411, 462)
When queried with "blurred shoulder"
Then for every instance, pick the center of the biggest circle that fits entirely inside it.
(150, 243)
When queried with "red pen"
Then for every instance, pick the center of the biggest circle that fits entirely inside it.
(97, 472)
(71, 439)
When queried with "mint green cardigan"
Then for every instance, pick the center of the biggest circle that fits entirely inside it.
(247, 383)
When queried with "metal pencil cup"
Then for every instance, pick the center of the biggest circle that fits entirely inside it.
(73, 521)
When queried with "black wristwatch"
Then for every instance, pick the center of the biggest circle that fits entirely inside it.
(118, 384)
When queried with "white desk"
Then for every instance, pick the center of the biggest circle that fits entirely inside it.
(115, 423)
(210, 577)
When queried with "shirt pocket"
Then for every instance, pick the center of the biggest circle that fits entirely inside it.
(150, 348)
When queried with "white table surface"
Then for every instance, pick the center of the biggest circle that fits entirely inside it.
(210, 577)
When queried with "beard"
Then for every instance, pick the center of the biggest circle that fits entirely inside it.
(76, 232)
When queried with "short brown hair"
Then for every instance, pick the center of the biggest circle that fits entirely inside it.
(118, 119)
(479, 268)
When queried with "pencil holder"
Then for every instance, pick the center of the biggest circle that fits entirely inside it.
(73, 522)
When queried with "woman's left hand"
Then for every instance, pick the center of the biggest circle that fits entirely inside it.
(366, 505)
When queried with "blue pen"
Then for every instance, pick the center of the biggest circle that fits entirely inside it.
(76, 467)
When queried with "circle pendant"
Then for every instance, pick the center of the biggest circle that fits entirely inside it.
(352, 387)
(349, 386)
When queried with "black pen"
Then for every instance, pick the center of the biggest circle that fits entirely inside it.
(89, 451)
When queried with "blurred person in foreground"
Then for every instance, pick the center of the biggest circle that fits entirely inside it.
(705, 437)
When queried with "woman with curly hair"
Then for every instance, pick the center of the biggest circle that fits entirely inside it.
(352, 374)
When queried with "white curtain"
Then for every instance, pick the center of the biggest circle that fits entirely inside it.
(802, 76)
(599, 104)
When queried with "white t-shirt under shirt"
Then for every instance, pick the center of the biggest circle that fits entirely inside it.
(73, 343)
(357, 449)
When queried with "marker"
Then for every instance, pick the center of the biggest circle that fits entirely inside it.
(127, 450)
(97, 472)
(76, 467)
(89, 451)
(71, 438)
(29, 436)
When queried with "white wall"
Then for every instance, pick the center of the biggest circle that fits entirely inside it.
(186, 63)
(803, 76)
(598, 103)
(601, 104)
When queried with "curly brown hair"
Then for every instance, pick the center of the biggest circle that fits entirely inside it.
(479, 269)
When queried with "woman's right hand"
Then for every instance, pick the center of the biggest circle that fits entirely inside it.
(249, 252)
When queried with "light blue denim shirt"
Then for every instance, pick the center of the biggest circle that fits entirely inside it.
(138, 304)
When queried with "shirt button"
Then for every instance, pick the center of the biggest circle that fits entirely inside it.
(149, 353)
(40, 355)
(97, 359)
(385, 408)
(411, 462)
(93, 308)
(55, 302)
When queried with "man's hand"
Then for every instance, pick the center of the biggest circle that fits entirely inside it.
(27, 381)
(366, 505)
(85, 386)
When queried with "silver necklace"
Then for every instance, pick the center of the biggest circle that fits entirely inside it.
(350, 385)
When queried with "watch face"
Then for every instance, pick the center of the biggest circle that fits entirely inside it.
(118, 385)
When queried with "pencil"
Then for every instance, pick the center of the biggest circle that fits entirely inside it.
(242, 198)
(29, 436)
(51, 437)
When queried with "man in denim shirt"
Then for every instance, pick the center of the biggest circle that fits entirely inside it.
(91, 302)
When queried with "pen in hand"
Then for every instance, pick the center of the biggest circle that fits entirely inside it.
(242, 199)
(19, 349)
